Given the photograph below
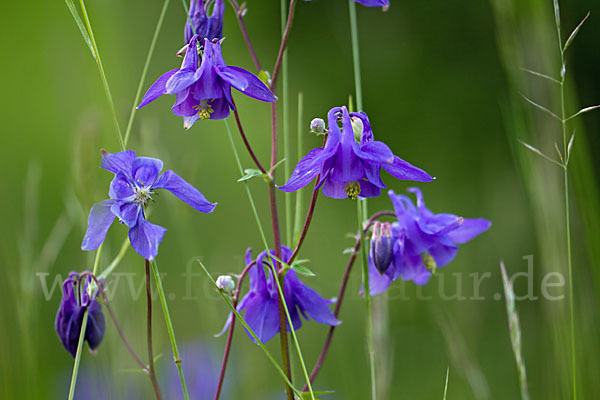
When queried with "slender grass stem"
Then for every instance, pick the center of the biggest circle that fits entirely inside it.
(272, 263)
(369, 322)
(145, 71)
(102, 75)
(355, 54)
(171, 331)
(568, 231)
(151, 369)
(240, 17)
(298, 210)
(82, 334)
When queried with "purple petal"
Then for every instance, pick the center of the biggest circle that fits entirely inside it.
(188, 122)
(374, 152)
(246, 83)
(127, 212)
(314, 305)
(145, 170)
(469, 229)
(220, 108)
(334, 190)
(118, 162)
(374, 3)
(306, 170)
(94, 332)
(145, 238)
(157, 89)
(378, 283)
(262, 315)
(100, 219)
(184, 191)
(180, 81)
(403, 170)
(367, 189)
(190, 61)
(443, 252)
(120, 188)
(413, 269)
(186, 105)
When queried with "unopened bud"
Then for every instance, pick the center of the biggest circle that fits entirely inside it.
(382, 244)
(225, 283)
(357, 129)
(317, 125)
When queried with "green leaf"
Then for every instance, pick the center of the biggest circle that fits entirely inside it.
(301, 269)
(276, 165)
(574, 33)
(79, 22)
(264, 76)
(250, 173)
(306, 395)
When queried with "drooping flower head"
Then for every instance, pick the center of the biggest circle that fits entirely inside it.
(69, 318)
(204, 91)
(261, 301)
(423, 241)
(136, 179)
(209, 27)
(351, 160)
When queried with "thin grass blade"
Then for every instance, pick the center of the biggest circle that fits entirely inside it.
(541, 75)
(80, 25)
(541, 108)
(575, 32)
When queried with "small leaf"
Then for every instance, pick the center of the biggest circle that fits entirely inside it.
(79, 22)
(264, 76)
(559, 153)
(570, 145)
(574, 33)
(541, 75)
(557, 15)
(250, 173)
(538, 152)
(302, 270)
(277, 165)
(541, 107)
(583, 110)
(349, 250)
(307, 396)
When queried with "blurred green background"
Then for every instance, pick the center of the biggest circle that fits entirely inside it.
(441, 84)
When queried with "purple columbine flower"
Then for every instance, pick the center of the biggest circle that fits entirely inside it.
(136, 179)
(350, 162)
(69, 318)
(205, 26)
(205, 91)
(423, 241)
(261, 302)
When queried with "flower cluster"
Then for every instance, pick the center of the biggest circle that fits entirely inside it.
(417, 243)
(200, 23)
(204, 90)
(261, 301)
(349, 164)
(69, 318)
(136, 179)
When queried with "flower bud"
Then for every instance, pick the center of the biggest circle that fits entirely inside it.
(225, 283)
(357, 129)
(382, 244)
(317, 125)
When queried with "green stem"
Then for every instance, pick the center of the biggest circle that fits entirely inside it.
(145, 71)
(256, 339)
(102, 75)
(165, 307)
(355, 54)
(272, 263)
(284, 100)
(567, 219)
(365, 265)
(298, 211)
(82, 334)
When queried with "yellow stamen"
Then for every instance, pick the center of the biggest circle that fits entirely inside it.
(428, 261)
(352, 189)
(204, 109)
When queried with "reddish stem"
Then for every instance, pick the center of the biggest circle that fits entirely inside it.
(286, 34)
(240, 18)
(236, 296)
(340, 297)
(246, 143)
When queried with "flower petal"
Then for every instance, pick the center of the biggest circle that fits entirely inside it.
(403, 170)
(157, 89)
(100, 219)
(306, 170)
(145, 238)
(262, 315)
(378, 283)
(118, 162)
(181, 80)
(220, 108)
(313, 304)
(374, 152)
(246, 82)
(127, 212)
(443, 252)
(367, 189)
(145, 170)
(334, 190)
(120, 188)
(469, 229)
(184, 191)
(94, 332)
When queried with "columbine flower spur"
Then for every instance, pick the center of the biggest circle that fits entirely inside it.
(423, 241)
(204, 91)
(261, 301)
(136, 179)
(205, 26)
(350, 163)
(75, 300)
